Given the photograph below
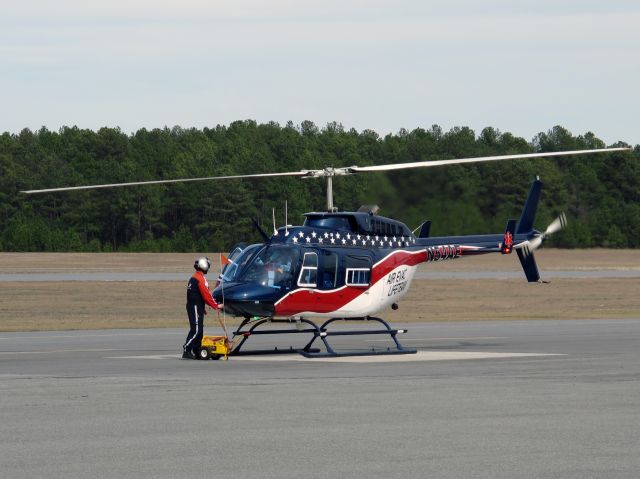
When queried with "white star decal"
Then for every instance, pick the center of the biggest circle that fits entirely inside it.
(320, 240)
(354, 241)
(368, 237)
(394, 239)
(344, 241)
(385, 238)
(333, 241)
(313, 233)
(348, 236)
(381, 243)
(337, 235)
(301, 234)
(364, 242)
(295, 240)
(308, 239)
(390, 243)
(358, 237)
(326, 235)
(377, 238)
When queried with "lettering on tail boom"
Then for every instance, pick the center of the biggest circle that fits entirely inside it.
(442, 252)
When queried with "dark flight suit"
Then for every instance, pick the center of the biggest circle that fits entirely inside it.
(197, 295)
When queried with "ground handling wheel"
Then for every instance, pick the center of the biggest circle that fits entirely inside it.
(204, 353)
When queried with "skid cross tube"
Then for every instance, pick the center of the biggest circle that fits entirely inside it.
(320, 332)
(314, 329)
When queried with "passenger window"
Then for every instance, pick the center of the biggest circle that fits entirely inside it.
(358, 277)
(309, 273)
(329, 270)
(358, 271)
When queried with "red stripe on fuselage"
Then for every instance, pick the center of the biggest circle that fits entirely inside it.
(318, 301)
(395, 259)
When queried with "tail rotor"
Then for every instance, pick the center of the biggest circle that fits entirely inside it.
(533, 244)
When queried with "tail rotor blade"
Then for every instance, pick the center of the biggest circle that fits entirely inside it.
(556, 225)
(535, 243)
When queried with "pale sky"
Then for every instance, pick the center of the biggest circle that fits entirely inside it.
(519, 66)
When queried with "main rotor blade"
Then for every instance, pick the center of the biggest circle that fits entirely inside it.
(419, 164)
(158, 182)
(330, 171)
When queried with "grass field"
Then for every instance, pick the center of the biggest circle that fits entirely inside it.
(28, 306)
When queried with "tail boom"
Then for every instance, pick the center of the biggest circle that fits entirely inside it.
(516, 236)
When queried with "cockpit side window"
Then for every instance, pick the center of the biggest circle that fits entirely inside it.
(309, 272)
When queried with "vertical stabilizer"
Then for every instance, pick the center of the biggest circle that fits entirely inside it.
(425, 229)
(530, 208)
(529, 265)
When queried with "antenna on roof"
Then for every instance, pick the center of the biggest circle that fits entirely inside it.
(273, 215)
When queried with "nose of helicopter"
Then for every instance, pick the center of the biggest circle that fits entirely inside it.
(247, 299)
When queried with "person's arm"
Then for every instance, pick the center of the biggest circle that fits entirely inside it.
(206, 295)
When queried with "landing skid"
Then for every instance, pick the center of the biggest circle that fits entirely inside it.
(306, 326)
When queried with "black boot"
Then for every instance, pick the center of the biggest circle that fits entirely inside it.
(188, 354)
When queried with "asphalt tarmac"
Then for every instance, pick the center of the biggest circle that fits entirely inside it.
(539, 399)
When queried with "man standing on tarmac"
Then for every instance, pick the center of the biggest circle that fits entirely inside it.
(197, 295)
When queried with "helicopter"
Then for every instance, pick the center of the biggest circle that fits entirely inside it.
(348, 266)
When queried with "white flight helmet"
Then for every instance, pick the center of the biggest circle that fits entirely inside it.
(203, 264)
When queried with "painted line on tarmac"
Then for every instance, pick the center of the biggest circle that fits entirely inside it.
(476, 338)
(36, 336)
(398, 358)
(149, 356)
(421, 356)
(56, 351)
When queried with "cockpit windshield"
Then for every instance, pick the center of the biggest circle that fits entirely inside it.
(272, 266)
(237, 260)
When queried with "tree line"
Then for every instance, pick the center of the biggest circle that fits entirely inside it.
(599, 193)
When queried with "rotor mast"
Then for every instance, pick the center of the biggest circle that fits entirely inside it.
(329, 193)
(329, 172)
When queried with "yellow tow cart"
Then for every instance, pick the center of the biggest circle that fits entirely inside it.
(215, 347)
